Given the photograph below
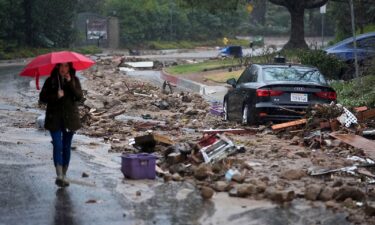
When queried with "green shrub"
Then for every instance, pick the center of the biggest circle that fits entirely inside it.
(329, 65)
(356, 93)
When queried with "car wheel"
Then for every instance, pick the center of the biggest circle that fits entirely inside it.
(247, 115)
(225, 110)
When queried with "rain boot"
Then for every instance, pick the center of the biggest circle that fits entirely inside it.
(65, 180)
(59, 179)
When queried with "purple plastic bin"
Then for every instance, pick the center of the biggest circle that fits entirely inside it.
(138, 166)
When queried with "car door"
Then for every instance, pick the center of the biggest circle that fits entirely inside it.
(366, 47)
(236, 99)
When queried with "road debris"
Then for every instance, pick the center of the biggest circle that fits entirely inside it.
(312, 158)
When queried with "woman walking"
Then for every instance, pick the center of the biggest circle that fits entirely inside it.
(62, 91)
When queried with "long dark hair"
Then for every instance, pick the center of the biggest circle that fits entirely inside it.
(55, 71)
(55, 80)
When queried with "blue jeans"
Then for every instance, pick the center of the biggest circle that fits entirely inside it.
(62, 142)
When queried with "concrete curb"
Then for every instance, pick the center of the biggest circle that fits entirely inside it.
(185, 83)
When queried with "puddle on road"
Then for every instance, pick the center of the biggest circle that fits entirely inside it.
(239, 211)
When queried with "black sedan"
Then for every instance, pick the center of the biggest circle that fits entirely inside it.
(278, 92)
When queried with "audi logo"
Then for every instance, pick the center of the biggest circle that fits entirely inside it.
(299, 89)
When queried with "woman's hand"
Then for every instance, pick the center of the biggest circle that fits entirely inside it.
(60, 93)
(67, 77)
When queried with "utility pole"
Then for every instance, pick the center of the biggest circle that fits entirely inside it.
(354, 41)
(323, 11)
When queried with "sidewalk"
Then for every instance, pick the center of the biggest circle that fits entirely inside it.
(212, 93)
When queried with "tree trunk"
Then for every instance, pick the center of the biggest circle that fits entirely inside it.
(297, 33)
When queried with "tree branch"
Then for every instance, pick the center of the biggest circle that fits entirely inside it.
(311, 4)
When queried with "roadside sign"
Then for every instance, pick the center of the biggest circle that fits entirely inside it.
(96, 29)
(323, 9)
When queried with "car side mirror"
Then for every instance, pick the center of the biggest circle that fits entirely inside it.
(232, 82)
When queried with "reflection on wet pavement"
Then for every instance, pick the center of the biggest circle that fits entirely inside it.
(64, 209)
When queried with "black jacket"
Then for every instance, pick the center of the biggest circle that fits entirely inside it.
(63, 112)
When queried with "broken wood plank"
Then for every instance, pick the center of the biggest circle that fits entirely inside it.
(368, 114)
(356, 141)
(162, 139)
(142, 95)
(288, 124)
(360, 109)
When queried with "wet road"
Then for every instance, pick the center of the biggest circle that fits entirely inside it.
(28, 194)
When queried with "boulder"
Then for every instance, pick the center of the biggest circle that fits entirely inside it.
(349, 192)
(312, 192)
(202, 172)
(221, 186)
(293, 174)
(207, 192)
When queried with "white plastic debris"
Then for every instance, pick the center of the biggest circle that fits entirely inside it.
(359, 159)
(347, 118)
(40, 121)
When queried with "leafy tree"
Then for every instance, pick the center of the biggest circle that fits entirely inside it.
(364, 15)
(11, 22)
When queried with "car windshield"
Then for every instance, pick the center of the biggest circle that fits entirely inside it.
(298, 74)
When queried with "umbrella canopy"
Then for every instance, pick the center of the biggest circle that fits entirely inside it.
(42, 65)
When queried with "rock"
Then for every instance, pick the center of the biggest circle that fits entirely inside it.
(260, 186)
(326, 194)
(177, 177)
(349, 192)
(221, 186)
(302, 154)
(202, 172)
(94, 104)
(207, 192)
(191, 112)
(186, 98)
(370, 208)
(233, 192)
(138, 193)
(312, 192)
(246, 165)
(337, 183)
(217, 168)
(85, 175)
(289, 196)
(239, 178)
(167, 177)
(293, 174)
(279, 196)
(245, 190)
(349, 203)
(331, 204)
(295, 140)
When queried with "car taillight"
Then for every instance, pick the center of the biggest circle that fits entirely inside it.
(331, 95)
(267, 93)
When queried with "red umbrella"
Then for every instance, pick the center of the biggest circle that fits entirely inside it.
(42, 65)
